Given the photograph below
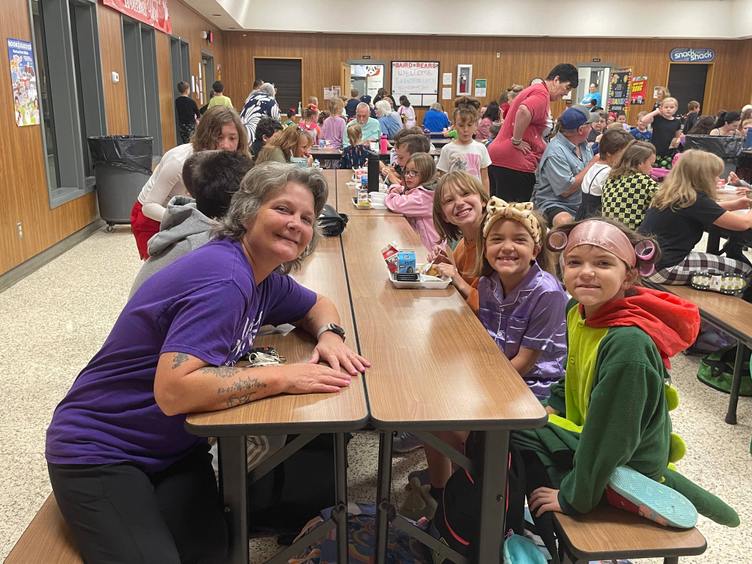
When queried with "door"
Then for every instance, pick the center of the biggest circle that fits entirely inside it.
(207, 62)
(686, 82)
(286, 75)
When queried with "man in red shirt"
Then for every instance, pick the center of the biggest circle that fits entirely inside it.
(517, 149)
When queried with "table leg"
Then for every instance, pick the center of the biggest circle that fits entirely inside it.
(232, 467)
(340, 508)
(383, 506)
(735, 385)
(494, 466)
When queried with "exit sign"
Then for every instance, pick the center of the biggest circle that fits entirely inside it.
(596, 59)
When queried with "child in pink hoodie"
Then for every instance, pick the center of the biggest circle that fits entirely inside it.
(414, 200)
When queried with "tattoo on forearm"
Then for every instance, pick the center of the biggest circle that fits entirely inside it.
(179, 359)
(223, 371)
(242, 391)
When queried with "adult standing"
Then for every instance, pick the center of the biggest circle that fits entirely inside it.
(131, 482)
(519, 146)
(259, 103)
(352, 103)
(219, 128)
(186, 112)
(371, 127)
(592, 96)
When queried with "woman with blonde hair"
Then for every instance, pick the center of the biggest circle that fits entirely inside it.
(682, 209)
(286, 146)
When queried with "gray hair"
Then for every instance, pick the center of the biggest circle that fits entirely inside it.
(436, 106)
(383, 108)
(263, 182)
(267, 88)
(363, 105)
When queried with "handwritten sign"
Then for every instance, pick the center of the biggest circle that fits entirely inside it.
(688, 55)
(419, 81)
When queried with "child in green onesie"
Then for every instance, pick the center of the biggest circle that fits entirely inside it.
(609, 430)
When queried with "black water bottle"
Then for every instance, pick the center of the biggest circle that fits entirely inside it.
(373, 173)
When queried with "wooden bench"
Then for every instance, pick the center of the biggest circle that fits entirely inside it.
(46, 539)
(608, 533)
(731, 315)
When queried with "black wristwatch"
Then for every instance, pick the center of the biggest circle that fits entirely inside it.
(334, 328)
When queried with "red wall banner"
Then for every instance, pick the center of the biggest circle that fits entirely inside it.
(151, 12)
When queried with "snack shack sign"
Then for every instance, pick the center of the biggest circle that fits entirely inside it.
(151, 12)
(687, 55)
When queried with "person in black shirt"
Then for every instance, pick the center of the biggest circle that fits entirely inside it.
(666, 131)
(682, 209)
(267, 126)
(186, 112)
(693, 114)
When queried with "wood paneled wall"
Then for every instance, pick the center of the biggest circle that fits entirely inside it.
(23, 190)
(520, 59)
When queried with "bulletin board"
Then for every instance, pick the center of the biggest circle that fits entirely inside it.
(417, 80)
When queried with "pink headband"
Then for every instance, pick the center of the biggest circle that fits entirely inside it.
(609, 238)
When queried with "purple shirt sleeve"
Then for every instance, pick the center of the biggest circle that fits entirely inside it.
(205, 322)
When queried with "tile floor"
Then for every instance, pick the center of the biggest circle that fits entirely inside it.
(54, 320)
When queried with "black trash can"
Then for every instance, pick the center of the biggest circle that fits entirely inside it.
(122, 165)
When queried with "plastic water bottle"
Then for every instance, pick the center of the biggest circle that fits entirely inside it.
(383, 145)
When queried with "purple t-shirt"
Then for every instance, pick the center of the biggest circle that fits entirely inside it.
(533, 315)
(205, 304)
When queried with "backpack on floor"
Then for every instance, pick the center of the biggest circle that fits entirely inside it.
(295, 491)
(717, 371)
(361, 535)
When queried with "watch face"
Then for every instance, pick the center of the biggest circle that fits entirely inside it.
(337, 329)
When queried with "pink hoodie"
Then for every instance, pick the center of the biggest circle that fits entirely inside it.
(417, 207)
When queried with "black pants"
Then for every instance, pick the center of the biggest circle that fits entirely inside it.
(120, 514)
(511, 185)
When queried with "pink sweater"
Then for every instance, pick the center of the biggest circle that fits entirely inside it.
(417, 207)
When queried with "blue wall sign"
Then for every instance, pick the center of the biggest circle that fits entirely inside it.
(688, 55)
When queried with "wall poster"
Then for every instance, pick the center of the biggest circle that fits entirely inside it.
(618, 90)
(23, 81)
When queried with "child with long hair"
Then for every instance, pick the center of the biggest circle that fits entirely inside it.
(521, 305)
(464, 152)
(609, 429)
(610, 149)
(682, 209)
(459, 205)
(406, 112)
(414, 200)
(356, 153)
(287, 146)
(666, 130)
(310, 123)
(629, 188)
(334, 125)
(491, 116)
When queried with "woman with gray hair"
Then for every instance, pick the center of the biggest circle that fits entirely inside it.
(260, 103)
(129, 479)
(389, 120)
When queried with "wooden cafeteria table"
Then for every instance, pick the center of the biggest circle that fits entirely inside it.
(307, 414)
(434, 368)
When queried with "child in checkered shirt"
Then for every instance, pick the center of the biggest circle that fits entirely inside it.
(611, 146)
(629, 188)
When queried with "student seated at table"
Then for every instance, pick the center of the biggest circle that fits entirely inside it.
(291, 145)
(355, 155)
(406, 143)
(310, 123)
(414, 200)
(610, 149)
(435, 119)
(521, 305)
(727, 125)
(608, 417)
(459, 205)
(131, 482)
(211, 177)
(682, 209)
(464, 152)
(641, 132)
(267, 126)
(629, 188)
(389, 120)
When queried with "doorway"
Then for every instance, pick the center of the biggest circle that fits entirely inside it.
(207, 65)
(686, 82)
(287, 77)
